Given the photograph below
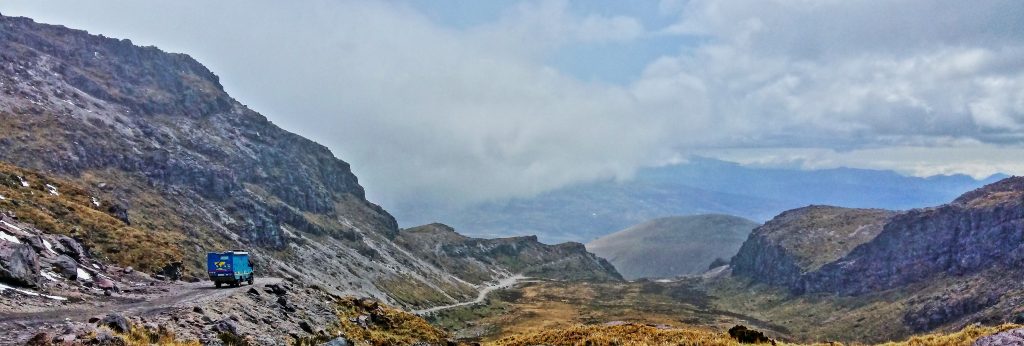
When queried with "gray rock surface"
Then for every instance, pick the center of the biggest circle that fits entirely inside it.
(1012, 337)
(19, 264)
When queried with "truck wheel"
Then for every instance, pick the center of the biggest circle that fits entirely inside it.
(217, 284)
(251, 280)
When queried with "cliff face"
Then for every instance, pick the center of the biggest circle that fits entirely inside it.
(980, 230)
(799, 241)
(850, 251)
(942, 267)
(475, 260)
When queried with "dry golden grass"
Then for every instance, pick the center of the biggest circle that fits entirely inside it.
(141, 337)
(71, 212)
(620, 335)
(388, 326)
(635, 334)
(964, 337)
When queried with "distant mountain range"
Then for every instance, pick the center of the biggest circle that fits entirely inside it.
(584, 212)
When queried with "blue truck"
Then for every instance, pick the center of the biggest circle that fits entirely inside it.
(231, 267)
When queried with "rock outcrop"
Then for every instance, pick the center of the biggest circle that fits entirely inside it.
(799, 241)
(851, 252)
(475, 259)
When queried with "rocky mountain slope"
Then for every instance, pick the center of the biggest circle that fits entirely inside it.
(673, 246)
(475, 259)
(174, 158)
(587, 211)
(944, 266)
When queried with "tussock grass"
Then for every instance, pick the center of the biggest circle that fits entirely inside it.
(72, 212)
(386, 325)
(964, 337)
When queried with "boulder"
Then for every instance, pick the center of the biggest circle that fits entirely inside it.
(172, 271)
(67, 266)
(116, 323)
(72, 248)
(105, 284)
(749, 336)
(19, 264)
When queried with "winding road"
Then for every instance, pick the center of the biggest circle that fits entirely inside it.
(484, 291)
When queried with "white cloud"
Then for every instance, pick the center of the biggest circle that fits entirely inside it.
(438, 114)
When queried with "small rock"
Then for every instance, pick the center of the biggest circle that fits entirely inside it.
(116, 323)
(197, 310)
(128, 270)
(253, 291)
(107, 293)
(306, 327)
(94, 319)
(160, 277)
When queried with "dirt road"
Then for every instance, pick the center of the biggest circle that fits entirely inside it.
(484, 291)
(177, 295)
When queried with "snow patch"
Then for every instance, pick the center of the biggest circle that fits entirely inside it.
(84, 275)
(49, 247)
(95, 201)
(49, 275)
(24, 182)
(2, 198)
(8, 237)
(29, 293)
(52, 189)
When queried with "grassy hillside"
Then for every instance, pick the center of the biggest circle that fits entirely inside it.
(673, 246)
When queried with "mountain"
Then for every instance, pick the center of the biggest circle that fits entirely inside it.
(586, 211)
(952, 264)
(474, 259)
(673, 246)
(188, 169)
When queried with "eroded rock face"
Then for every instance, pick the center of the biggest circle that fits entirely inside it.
(982, 229)
(800, 241)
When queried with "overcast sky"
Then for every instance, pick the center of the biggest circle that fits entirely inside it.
(455, 101)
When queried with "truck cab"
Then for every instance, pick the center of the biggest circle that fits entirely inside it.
(230, 267)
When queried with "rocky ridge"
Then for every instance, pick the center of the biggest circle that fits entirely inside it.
(476, 260)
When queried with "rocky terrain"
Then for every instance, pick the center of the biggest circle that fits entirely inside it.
(673, 246)
(475, 260)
